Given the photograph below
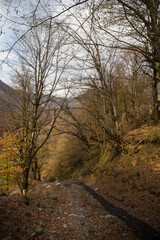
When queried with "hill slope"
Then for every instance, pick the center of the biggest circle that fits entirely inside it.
(118, 199)
(7, 100)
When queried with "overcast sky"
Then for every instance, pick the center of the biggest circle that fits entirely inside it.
(13, 14)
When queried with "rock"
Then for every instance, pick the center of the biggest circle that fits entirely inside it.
(72, 215)
(124, 234)
(75, 215)
(53, 231)
(48, 206)
(50, 212)
(48, 186)
(54, 197)
(58, 184)
(26, 200)
(40, 223)
(96, 189)
(8, 238)
(5, 199)
(33, 235)
(94, 183)
(9, 224)
(38, 232)
(60, 210)
(65, 225)
(101, 236)
(24, 229)
(133, 205)
(43, 205)
(51, 237)
(125, 217)
(119, 198)
(107, 216)
(28, 214)
(17, 229)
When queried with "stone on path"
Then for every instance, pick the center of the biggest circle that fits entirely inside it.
(107, 216)
(51, 238)
(54, 197)
(119, 198)
(38, 232)
(65, 225)
(58, 184)
(8, 238)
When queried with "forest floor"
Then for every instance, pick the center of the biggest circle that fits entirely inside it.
(115, 207)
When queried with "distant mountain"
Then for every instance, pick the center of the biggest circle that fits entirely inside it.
(4, 87)
(7, 100)
(7, 93)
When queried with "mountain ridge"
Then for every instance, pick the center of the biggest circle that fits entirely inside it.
(7, 100)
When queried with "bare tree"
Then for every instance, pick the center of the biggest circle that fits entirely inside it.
(98, 73)
(113, 95)
(19, 21)
(37, 80)
(136, 27)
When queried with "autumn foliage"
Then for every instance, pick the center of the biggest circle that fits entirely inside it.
(9, 163)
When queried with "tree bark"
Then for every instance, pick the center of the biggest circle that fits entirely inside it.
(24, 180)
(156, 96)
(34, 169)
(39, 174)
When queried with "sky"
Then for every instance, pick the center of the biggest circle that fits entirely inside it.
(12, 20)
(13, 15)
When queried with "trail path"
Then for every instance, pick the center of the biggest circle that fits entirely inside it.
(70, 211)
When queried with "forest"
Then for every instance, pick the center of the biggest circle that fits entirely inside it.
(84, 75)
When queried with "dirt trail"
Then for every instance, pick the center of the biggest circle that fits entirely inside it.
(72, 211)
(97, 230)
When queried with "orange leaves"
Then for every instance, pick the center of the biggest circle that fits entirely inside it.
(8, 159)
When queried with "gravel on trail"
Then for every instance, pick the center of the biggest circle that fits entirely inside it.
(76, 211)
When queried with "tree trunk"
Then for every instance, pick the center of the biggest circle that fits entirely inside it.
(156, 96)
(39, 174)
(35, 169)
(24, 180)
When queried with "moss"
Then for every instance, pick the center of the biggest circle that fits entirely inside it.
(110, 153)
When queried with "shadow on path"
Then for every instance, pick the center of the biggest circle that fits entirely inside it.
(138, 227)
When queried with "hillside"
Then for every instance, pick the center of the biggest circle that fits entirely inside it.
(108, 198)
(138, 152)
(7, 100)
(114, 194)
(7, 95)
(119, 200)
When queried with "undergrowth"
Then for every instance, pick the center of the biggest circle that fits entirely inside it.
(140, 148)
